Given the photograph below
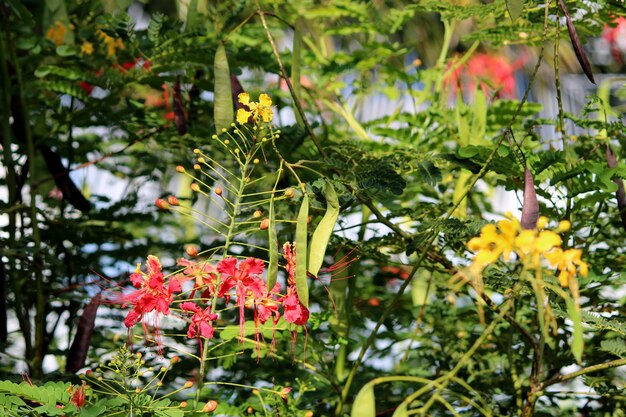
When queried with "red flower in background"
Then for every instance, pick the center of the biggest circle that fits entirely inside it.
(77, 394)
(493, 73)
(152, 294)
(616, 37)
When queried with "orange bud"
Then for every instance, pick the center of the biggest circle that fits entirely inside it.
(188, 384)
(183, 404)
(257, 214)
(255, 161)
(265, 223)
(191, 251)
(289, 193)
(195, 187)
(172, 200)
(250, 410)
(210, 406)
(175, 359)
(218, 190)
(374, 302)
(180, 168)
(197, 167)
(308, 414)
(162, 204)
(308, 219)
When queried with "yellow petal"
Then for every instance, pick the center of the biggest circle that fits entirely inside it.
(243, 116)
(244, 98)
(265, 100)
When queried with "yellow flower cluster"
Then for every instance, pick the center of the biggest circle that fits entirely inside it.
(86, 48)
(530, 246)
(259, 111)
(56, 33)
(111, 43)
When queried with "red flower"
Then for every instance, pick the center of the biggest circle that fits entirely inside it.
(200, 321)
(77, 395)
(203, 273)
(493, 73)
(294, 311)
(152, 293)
(246, 281)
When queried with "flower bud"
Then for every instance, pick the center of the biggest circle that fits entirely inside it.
(197, 167)
(180, 168)
(218, 190)
(564, 226)
(194, 186)
(255, 161)
(191, 251)
(250, 410)
(373, 302)
(187, 385)
(196, 151)
(210, 406)
(172, 200)
(542, 222)
(289, 193)
(257, 214)
(175, 359)
(308, 414)
(265, 223)
(183, 404)
(162, 204)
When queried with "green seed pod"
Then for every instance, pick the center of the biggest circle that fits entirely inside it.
(302, 285)
(324, 230)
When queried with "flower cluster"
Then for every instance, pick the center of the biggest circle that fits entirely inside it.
(531, 246)
(56, 33)
(258, 111)
(230, 279)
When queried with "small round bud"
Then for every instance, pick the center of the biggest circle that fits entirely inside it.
(159, 384)
(373, 302)
(289, 193)
(191, 251)
(197, 167)
(308, 414)
(265, 223)
(214, 137)
(255, 161)
(257, 214)
(162, 204)
(187, 385)
(564, 226)
(139, 355)
(163, 369)
(218, 190)
(172, 200)
(183, 404)
(223, 130)
(180, 168)
(201, 160)
(137, 390)
(210, 406)
(250, 410)
(196, 151)
(194, 186)
(542, 222)
(175, 359)
(226, 142)
(255, 391)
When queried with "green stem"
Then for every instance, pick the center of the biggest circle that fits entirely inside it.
(285, 76)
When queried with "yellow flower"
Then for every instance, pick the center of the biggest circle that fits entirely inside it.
(86, 48)
(259, 111)
(111, 43)
(567, 262)
(56, 33)
(529, 245)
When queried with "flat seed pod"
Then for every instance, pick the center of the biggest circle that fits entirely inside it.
(302, 285)
(324, 230)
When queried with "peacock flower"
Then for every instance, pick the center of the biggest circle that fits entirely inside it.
(56, 33)
(260, 111)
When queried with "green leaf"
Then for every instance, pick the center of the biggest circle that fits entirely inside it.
(302, 285)
(515, 8)
(365, 402)
(577, 338)
(223, 104)
(272, 267)
(615, 346)
(324, 230)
